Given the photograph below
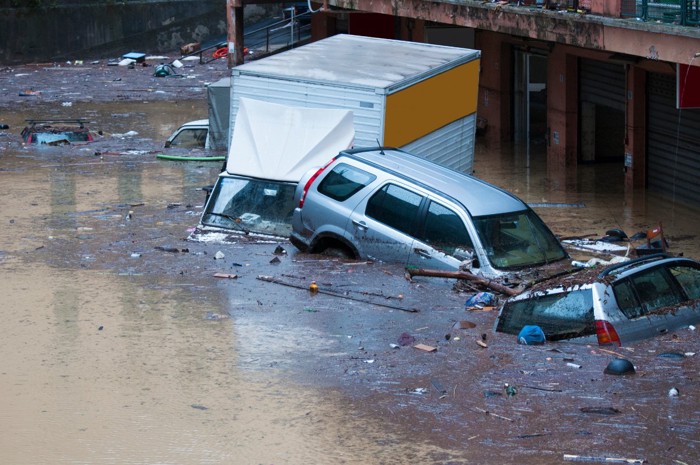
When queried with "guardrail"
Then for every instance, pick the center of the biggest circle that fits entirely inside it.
(680, 12)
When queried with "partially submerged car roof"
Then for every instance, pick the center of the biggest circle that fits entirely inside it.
(478, 197)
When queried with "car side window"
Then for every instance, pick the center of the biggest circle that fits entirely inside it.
(653, 289)
(445, 230)
(689, 279)
(344, 181)
(396, 207)
(627, 299)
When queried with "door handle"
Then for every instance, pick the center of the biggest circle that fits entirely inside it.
(360, 224)
(422, 252)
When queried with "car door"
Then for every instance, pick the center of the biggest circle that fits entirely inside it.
(442, 240)
(384, 223)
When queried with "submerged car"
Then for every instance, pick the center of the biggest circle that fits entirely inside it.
(389, 205)
(190, 135)
(271, 148)
(56, 131)
(625, 302)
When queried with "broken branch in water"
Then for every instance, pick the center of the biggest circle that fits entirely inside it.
(463, 275)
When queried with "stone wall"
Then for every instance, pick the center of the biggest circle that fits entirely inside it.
(57, 30)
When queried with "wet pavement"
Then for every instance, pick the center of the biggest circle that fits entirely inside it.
(120, 345)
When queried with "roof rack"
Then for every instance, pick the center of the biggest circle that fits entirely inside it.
(80, 121)
(633, 263)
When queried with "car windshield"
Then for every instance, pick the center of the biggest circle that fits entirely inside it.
(561, 315)
(517, 240)
(190, 138)
(251, 206)
(59, 136)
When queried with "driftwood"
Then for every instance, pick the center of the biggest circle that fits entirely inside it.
(463, 275)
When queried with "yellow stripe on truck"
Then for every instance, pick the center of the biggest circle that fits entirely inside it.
(428, 105)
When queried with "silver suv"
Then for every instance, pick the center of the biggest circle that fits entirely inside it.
(389, 205)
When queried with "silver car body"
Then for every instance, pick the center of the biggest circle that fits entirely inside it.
(627, 302)
(431, 194)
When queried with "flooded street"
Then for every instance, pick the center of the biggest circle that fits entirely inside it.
(121, 347)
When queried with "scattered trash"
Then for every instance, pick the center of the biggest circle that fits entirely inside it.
(4, 126)
(584, 458)
(418, 391)
(313, 287)
(672, 355)
(673, 392)
(177, 64)
(190, 48)
(464, 324)
(126, 134)
(425, 348)
(275, 261)
(199, 407)
(531, 335)
(510, 389)
(219, 255)
(438, 387)
(573, 365)
(406, 339)
(279, 250)
(481, 299)
(600, 410)
(369, 361)
(394, 346)
(135, 255)
(215, 316)
(171, 249)
(481, 343)
(67, 104)
(136, 57)
(619, 366)
(225, 275)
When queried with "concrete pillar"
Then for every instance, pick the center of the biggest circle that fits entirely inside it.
(635, 131)
(495, 87)
(562, 117)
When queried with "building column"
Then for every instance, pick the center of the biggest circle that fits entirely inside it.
(635, 131)
(495, 87)
(562, 117)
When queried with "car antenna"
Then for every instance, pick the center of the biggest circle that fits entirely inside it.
(381, 149)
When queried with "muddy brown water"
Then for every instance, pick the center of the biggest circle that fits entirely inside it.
(119, 345)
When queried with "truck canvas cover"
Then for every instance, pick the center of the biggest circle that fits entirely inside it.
(282, 143)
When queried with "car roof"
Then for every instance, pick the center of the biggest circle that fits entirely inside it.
(624, 269)
(199, 122)
(478, 197)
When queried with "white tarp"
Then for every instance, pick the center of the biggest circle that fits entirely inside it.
(280, 142)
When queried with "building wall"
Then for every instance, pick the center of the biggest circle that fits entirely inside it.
(38, 32)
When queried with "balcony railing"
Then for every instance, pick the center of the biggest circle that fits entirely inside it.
(680, 12)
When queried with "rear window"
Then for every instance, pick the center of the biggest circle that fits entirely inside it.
(344, 181)
(561, 316)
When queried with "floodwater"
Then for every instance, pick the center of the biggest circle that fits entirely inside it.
(119, 345)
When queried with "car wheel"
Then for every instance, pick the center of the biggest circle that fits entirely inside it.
(337, 252)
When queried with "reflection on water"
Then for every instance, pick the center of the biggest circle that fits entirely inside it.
(589, 202)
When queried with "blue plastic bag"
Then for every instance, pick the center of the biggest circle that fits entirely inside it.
(481, 299)
(531, 335)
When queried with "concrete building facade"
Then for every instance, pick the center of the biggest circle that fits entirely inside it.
(600, 81)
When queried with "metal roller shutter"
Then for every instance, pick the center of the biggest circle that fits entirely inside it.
(673, 143)
(602, 83)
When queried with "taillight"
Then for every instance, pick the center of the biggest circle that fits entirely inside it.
(606, 333)
(311, 180)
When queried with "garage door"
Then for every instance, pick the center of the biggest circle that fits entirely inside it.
(673, 143)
